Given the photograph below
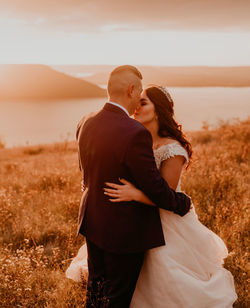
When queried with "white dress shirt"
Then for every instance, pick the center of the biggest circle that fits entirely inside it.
(117, 105)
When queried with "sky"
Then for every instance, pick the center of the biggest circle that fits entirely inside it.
(142, 32)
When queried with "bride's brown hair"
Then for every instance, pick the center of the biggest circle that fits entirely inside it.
(164, 108)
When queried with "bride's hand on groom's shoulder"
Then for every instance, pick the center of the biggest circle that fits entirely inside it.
(121, 192)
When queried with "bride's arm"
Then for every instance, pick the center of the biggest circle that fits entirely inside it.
(126, 192)
(170, 171)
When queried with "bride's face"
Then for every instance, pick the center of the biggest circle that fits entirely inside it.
(145, 112)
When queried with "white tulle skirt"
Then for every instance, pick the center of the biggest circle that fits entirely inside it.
(185, 273)
(78, 269)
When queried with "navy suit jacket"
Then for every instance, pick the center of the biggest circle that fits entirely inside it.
(112, 146)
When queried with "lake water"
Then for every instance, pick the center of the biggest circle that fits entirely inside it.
(24, 123)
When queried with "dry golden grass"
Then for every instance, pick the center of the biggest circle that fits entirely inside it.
(39, 196)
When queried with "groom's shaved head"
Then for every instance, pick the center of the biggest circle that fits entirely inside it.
(121, 77)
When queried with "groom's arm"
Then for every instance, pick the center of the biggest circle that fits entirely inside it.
(140, 160)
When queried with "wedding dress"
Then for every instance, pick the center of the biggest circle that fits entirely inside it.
(185, 273)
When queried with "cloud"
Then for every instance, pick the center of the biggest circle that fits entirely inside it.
(113, 15)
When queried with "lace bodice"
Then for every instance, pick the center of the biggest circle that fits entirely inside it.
(170, 150)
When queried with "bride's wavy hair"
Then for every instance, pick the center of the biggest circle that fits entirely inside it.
(164, 108)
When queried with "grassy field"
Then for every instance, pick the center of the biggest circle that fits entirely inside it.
(39, 197)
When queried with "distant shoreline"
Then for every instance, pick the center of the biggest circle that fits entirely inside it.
(63, 98)
(171, 76)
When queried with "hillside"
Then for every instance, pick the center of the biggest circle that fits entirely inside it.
(193, 76)
(36, 82)
(40, 193)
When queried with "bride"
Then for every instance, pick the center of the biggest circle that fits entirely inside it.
(188, 271)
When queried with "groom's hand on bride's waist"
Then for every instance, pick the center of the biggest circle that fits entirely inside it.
(184, 206)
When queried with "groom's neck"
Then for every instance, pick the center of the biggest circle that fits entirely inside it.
(121, 102)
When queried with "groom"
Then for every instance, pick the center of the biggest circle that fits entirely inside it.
(113, 146)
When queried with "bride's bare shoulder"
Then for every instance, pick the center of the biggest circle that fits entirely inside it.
(164, 141)
(167, 140)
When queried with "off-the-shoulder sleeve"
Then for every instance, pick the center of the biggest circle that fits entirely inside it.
(169, 150)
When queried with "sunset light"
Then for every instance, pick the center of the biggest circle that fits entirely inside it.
(84, 33)
(124, 153)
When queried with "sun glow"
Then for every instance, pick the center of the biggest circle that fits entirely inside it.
(24, 43)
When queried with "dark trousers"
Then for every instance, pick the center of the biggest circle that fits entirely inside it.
(112, 277)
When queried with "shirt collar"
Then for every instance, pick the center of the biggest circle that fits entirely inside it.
(117, 105)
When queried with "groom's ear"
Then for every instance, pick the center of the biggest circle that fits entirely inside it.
(131, 89)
